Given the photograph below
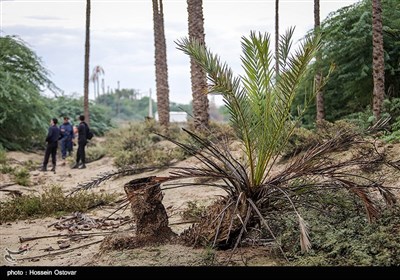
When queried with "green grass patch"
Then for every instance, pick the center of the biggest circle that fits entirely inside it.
(95, 152)
(6, 169)
(52, 202)
(30, 165)
(3, 157)
(22, 176)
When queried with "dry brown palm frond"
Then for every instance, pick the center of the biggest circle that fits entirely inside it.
(130, 170)
(304, 234)
(244, 226)
(265, 223)
(305, 243)
(314, 161)
(221, 218)
(224, 222)
(379, 125)
(370, 207)
(394, 164)
(389, 197)
(216, 161)
(235, 214)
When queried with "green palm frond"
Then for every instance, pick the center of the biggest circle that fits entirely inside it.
(284, 47)
(259, 105)
(219, 164)
(221, 81)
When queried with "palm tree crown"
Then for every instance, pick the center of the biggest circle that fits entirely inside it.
(259, 105)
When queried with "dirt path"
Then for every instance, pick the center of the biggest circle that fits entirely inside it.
(175, 200)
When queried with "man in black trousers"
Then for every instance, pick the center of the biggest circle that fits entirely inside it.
(82, 141)
(53, 135)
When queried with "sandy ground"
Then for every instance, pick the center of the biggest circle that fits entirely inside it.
(88, 254)
(175, 200)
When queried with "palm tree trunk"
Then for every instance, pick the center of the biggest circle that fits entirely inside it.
(276, 38)
(320, 97)
(198, 76)
(162, 87)
(94, 88)
(378, 62)
(98, 87)
(86, 73)
(148, 211)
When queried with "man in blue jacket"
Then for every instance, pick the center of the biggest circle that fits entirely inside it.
(53, 135)
(67, 135)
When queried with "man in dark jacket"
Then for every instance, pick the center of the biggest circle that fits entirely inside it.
(53, 135)
(67, 135)
(82, 141)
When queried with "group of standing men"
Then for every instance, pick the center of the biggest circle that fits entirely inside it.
(66, 133)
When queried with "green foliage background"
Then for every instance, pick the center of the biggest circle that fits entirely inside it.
(72, 106)
(23, 114)
(347, 44)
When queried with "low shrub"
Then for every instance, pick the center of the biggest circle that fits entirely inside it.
(302, 139)
(52, 202)
(22, 176)
(138, 144)
(343, 238)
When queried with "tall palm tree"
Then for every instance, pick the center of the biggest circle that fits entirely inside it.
(86, 71)
(198, 75)
(276, 37)
(103, 89)
(96, 73)
(318, 76)
(378, 62)
(162, 87)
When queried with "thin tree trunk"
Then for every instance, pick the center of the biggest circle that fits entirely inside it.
(198, 76)
(378, 61)
(320, 97)
(118, 95)
(86, 73)
(162, 87)
(94, 89)
(277, 38)
(98, 87)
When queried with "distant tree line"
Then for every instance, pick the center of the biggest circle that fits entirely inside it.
(346, 42)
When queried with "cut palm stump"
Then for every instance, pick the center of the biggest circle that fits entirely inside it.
(148, 213)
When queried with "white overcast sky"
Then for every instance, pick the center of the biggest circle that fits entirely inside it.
(122, 36)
